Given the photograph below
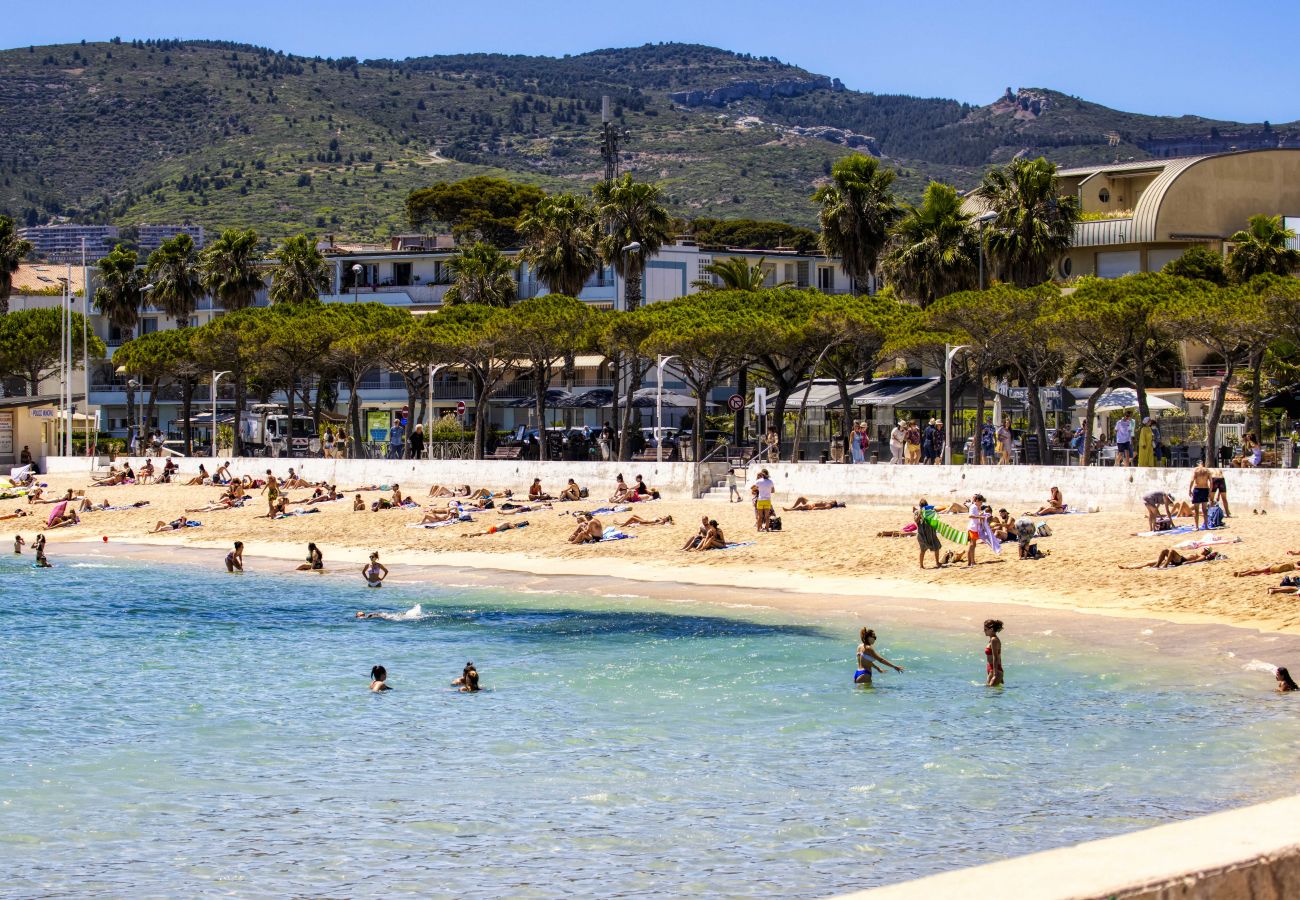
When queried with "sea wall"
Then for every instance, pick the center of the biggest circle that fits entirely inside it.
(1251, 853)
(1017, 487)
(676, 480)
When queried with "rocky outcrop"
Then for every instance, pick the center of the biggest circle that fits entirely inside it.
(1025, 103)
(742, 90)
(838, 136)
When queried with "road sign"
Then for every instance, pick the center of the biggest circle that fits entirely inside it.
(735, 403)
(460, 407)
(760, 401)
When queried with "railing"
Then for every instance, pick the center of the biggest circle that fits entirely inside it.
(1103, 233)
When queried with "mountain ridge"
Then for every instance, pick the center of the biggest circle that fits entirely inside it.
(221, 133)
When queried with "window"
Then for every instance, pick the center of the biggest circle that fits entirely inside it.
(148, 326)
(401, 274)
(825, 279)
(1103, 195)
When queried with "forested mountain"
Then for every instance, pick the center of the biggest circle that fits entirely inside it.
(222, 134)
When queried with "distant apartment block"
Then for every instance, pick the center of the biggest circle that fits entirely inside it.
(150, 237)
(63, 243)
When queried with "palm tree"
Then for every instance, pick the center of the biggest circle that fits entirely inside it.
(300, 272)
(12, 250)
(636, 226)
(736, 274)
(481, 274)
(1033, 223)
(121, 284)
(229, 271)
(562, 242)
(174, 272)
(1261, 250)
(857, 209)
(933, 251)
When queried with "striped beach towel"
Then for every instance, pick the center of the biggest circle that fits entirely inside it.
(957, 535)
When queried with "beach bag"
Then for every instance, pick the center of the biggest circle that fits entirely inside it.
(582, 492)
(1214, 516)
(1044, 530)
(774, 524)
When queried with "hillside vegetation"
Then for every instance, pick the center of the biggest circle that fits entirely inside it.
(226, 134)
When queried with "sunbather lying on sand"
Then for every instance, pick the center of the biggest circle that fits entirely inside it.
(802, 505)
(1276, 569)
(442, 490)
(16, 514)
(495, 529)
(1170, 558)
(637, 520)
(434, 516)
(514, 509)
(174, 525)
(68, 519)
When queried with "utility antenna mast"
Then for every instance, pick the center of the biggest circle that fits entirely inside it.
(609, 140)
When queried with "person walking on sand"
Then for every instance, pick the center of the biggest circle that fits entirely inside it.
(235, 558)
(869, 659)
(1199, 487)
(993, 652)
(926, 537)
(733, 490)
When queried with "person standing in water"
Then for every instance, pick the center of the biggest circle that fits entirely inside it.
(39, 546)
(18, 544)
(374, 571)
(235, 558)
(869, 659)
(993, 652)
(379, 679)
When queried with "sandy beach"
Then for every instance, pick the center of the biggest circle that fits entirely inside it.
(814, 564)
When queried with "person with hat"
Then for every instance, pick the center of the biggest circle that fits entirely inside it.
(1146, 455)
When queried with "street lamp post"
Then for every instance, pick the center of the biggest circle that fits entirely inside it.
(428, 403)
(659, 406)
(632, 247)
(217, 376)
(949, 353)
(356, 279)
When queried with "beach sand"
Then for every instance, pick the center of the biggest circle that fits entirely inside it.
(821, 562)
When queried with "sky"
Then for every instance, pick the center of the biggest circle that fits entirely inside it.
(1231, 61)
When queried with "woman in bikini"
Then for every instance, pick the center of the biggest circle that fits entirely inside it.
(637, 520)
(993, 652)
(1170, 558)
(802, 505)
(201, 478)
(379, 679)
(1055, 505)
(713, 539)
(1285, 683)
(235, 558)
(374, 571)
(315, 561)
(869, 659)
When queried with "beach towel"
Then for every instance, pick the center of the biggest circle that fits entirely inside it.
(441, 524)
(297, 512)
(739, 544)
(957, 535)
(606, 510)
(1214, 540)
(613, 534)
(987, 536)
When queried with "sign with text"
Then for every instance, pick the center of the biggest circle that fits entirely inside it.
(46, 413)
(6, 434)
(377, 421)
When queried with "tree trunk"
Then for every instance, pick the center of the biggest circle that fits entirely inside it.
(288, 437)
(625, 431)
(480, 419)
(1037, 421)
(151, 409)
(616, 366)
(697, 439)
(1089, 413)
(240, 392)
(846, 410)
(539, 399)
(1140, 386)
(978, 433)
(1256, 377)
(1216, 410)
(130, 412)
(187, 409)
(316, 407)
(354, 416)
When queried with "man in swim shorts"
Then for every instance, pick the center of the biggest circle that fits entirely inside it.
(1200, 491)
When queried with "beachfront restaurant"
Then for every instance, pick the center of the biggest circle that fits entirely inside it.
(882, 404)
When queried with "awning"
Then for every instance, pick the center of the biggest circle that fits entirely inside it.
(885, 392)
(1119, 398)
(556, 398)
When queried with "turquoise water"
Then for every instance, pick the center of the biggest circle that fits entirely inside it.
(175, 731)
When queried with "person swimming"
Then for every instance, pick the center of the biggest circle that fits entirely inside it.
(235, 558)
(468, 680)
(374, 571)
(379, 679)
(1285, 683)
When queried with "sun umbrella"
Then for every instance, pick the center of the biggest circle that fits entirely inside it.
(57, 513)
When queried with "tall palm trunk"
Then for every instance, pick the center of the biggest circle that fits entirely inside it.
(539, 406)
(187, 409)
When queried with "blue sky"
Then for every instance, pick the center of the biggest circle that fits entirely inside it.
(1224, 60)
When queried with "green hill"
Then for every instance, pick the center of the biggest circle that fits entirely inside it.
(227, 134)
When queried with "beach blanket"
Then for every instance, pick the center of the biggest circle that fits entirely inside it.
(957, 535)
(606, 510)
(57, 513)
(613, 534)
(297, 512)
(738, 544)
(987, 536)
(1214, 540)
(441, 524)
(120, 508)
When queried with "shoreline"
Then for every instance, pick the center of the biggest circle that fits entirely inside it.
(820, 560)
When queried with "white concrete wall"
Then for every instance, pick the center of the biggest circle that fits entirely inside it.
(676, 480)
(1251, 853)
(1109, 489)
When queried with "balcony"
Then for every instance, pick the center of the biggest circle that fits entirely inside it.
(1103, 233)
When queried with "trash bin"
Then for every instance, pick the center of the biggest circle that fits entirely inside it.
(823, 457)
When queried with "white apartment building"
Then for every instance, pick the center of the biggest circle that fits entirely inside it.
(64, 243)
(150, 237)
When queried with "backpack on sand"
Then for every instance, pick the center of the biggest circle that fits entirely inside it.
(1214, 516)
